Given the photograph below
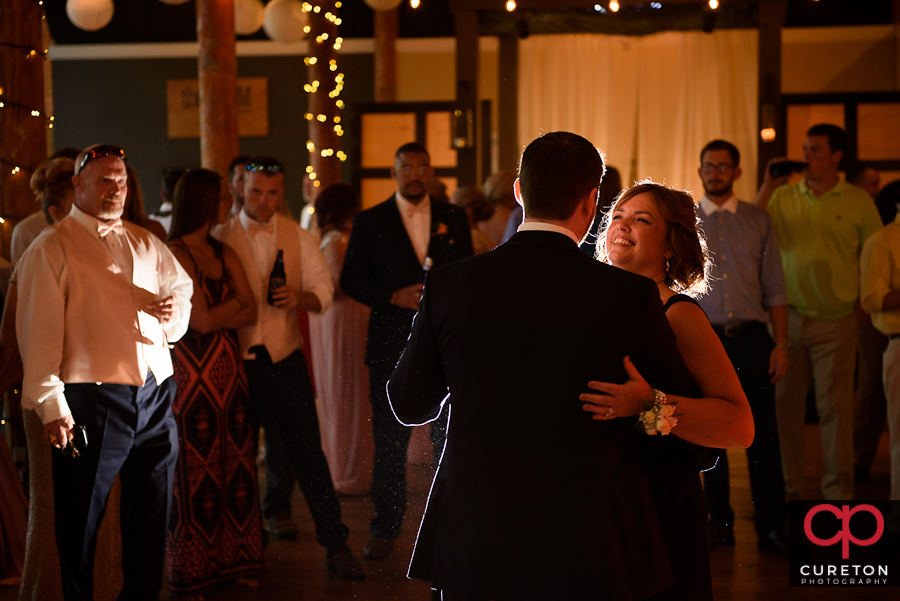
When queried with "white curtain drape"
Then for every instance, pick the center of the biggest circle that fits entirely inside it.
(650, 103)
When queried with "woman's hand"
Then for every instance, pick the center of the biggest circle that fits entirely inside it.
(620, 400)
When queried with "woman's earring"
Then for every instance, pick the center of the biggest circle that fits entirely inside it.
(667, 264)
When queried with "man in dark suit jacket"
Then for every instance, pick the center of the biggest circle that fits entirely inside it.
(533, 499)
(391, 245)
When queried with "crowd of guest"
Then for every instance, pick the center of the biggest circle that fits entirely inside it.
(223, 275)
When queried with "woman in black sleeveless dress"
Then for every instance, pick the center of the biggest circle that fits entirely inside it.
(652, 230)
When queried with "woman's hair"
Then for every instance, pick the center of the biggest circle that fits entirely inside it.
(335, 206)
(195, 201)
(687, 269)
(52, 182)
(134, 200)
(474, 202)
(498, 188)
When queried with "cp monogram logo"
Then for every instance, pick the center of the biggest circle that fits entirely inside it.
(844, 514)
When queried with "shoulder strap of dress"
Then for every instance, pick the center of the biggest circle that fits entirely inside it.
(185, 247)
(679, 298)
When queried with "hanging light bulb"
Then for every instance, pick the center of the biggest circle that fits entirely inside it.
(511, 5)
(414, 3)
(714, 4)
(614, 6)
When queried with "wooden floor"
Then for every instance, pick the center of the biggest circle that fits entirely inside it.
(296, 570)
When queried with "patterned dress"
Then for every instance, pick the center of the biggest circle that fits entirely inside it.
(215, 530)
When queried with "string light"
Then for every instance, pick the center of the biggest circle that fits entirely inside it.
(714, 4)
(32, 111)
(414, 3)
(15, 168)
(614, 6)
(30, 51)
(313, 86)
(511, 5)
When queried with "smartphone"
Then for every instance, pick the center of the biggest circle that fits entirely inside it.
(783, 168)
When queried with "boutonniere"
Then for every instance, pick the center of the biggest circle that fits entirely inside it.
(440, 230)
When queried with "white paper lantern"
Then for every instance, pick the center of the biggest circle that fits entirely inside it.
(90, 15)
(383, 4)
(173, 2)
(248, 16)
(284, 21)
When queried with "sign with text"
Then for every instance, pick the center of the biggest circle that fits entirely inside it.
(844, 543)
(183, 107)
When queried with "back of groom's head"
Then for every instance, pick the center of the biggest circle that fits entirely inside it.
(555, 173)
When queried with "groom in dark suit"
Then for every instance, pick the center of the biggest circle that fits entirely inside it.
(391, 246)
(533, 499)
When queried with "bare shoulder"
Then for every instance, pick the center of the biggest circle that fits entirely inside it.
(181, 253)
(689, 321)
(231, 258)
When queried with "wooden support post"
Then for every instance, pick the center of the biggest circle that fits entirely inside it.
(771, 20)
(508, 125)
(324, 86)
(23, 135)
(467, 95)
(896, 20)
(217, 62)
(386, 30)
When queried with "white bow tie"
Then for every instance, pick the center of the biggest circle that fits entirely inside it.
(105, 227)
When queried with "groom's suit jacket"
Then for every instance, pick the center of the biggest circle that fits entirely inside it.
(381, 259)
(533, 498)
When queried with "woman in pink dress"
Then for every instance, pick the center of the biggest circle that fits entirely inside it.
(338, 345)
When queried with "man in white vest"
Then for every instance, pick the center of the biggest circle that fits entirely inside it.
(100, 302)
(276, 370)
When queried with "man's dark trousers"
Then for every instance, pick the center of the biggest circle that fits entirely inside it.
(284, 389)
(749, 351)
(391, 446)
(131, 432)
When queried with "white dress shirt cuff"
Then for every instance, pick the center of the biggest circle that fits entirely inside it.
(52, 408)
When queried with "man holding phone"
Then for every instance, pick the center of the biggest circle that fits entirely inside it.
(822, 223)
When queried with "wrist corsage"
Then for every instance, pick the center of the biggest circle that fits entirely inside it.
(658, 418)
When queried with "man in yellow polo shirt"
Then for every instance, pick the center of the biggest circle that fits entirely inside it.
(822, 223)
(880, 266)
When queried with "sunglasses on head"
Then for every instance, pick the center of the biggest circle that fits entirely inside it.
(271, 168)
(98, 152)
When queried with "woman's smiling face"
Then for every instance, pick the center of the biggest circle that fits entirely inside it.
(636, 237)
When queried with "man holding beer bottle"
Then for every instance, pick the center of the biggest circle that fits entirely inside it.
(275, 250)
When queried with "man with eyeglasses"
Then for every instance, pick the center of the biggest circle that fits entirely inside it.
(748, 291)
(100, 302)
(822, 223)
(276, 369)
(391, 246)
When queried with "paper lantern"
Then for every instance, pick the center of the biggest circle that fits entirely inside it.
(248, 16)
(90, 15)
(284, 21)
(173, 2)
(383, 4)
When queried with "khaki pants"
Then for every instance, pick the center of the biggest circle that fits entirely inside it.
(892, 391)
(824, 351)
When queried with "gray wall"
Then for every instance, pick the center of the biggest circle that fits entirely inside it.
(123, 102)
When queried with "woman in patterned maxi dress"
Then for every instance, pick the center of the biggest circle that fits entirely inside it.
(215, 530)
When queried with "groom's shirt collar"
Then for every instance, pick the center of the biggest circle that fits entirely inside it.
(540, 226)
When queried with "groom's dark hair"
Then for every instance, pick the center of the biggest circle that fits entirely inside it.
(555, 173)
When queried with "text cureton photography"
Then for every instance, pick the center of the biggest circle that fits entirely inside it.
(844, 543)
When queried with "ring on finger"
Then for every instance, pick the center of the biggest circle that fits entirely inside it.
(610, 412)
